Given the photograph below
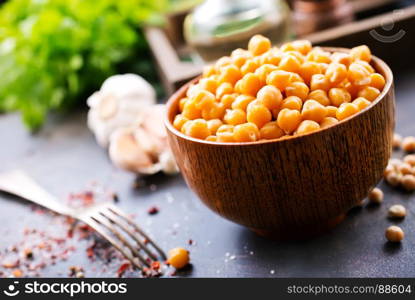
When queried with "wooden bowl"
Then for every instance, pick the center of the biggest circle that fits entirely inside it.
(295, 187)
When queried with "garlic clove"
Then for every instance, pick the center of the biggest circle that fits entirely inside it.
(108, 107)
(149, 143)
(168, 163)
(125, 153)
(153, 120)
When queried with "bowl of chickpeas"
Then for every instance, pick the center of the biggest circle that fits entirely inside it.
(284, 140)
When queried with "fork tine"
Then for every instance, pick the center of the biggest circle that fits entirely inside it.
(98, 227)
(104, 222)
(114, 218)
(126, 218)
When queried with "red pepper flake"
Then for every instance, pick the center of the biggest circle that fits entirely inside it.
(155, 265)
(27, 253)
(190, 242)
(153, 210)
(124, 267)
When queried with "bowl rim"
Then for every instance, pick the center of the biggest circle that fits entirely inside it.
(387, 72)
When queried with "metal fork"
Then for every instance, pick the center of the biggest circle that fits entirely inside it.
(108, 220)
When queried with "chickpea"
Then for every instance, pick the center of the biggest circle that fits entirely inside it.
(313, 110)
(377, 81)
(179, 121)
(251, 84)
(389, 169)
(346, 110)
(229, 73)
(394, 234)
(235, 116)
(396, 141)
(393, 179)
(308, 69)
(331, 111)
(264, 70)
(361, 103)
(408, 144)
(225, 137)
(242, 101)
(338, 96)
(190, 111)
(208, 84)
(270, 131)
(222, 62)
(227, 100)
(224, 89)
(271, 57)
(240, 56)
(328, 121)
(216, 111)
(178, 258)
(408, 182)
(404, 168)
(319, 82)
(361, 53)
(292, 102)
(182, 102)
(289, 63)
(259, 115)
(259, 44)
(410, 159)
(336, 73)
(197, 128)
(341, 58)
(358, 74)
(369, 93)
(247, 132)
(376, 196)
(209, 71)
(319, 55)
(203, 99)
(214, 125)
(211, 138)
(281, 79)
(270, 97)
(351, 88)
(289, 119)
(298, 89)
(302, 46)
(307, 126)
(397, 211)
(249, 66)
(320, 96)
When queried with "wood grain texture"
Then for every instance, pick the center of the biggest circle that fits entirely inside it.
(292, 187)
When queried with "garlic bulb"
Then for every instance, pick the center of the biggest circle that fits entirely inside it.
(143, 148)
(119, 103)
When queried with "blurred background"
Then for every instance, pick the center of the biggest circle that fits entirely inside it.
(55, 53)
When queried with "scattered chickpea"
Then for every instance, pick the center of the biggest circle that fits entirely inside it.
(394, 234)
(178, 258)
(393, 179)
(397, 211)
(396, 141)
(404, 168)
(408, 144)
(375, 196)
(410, 159)
(408, 182)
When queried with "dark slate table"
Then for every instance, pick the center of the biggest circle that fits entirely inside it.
(64, 158)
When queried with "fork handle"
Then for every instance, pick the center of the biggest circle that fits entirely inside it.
(19, 184)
